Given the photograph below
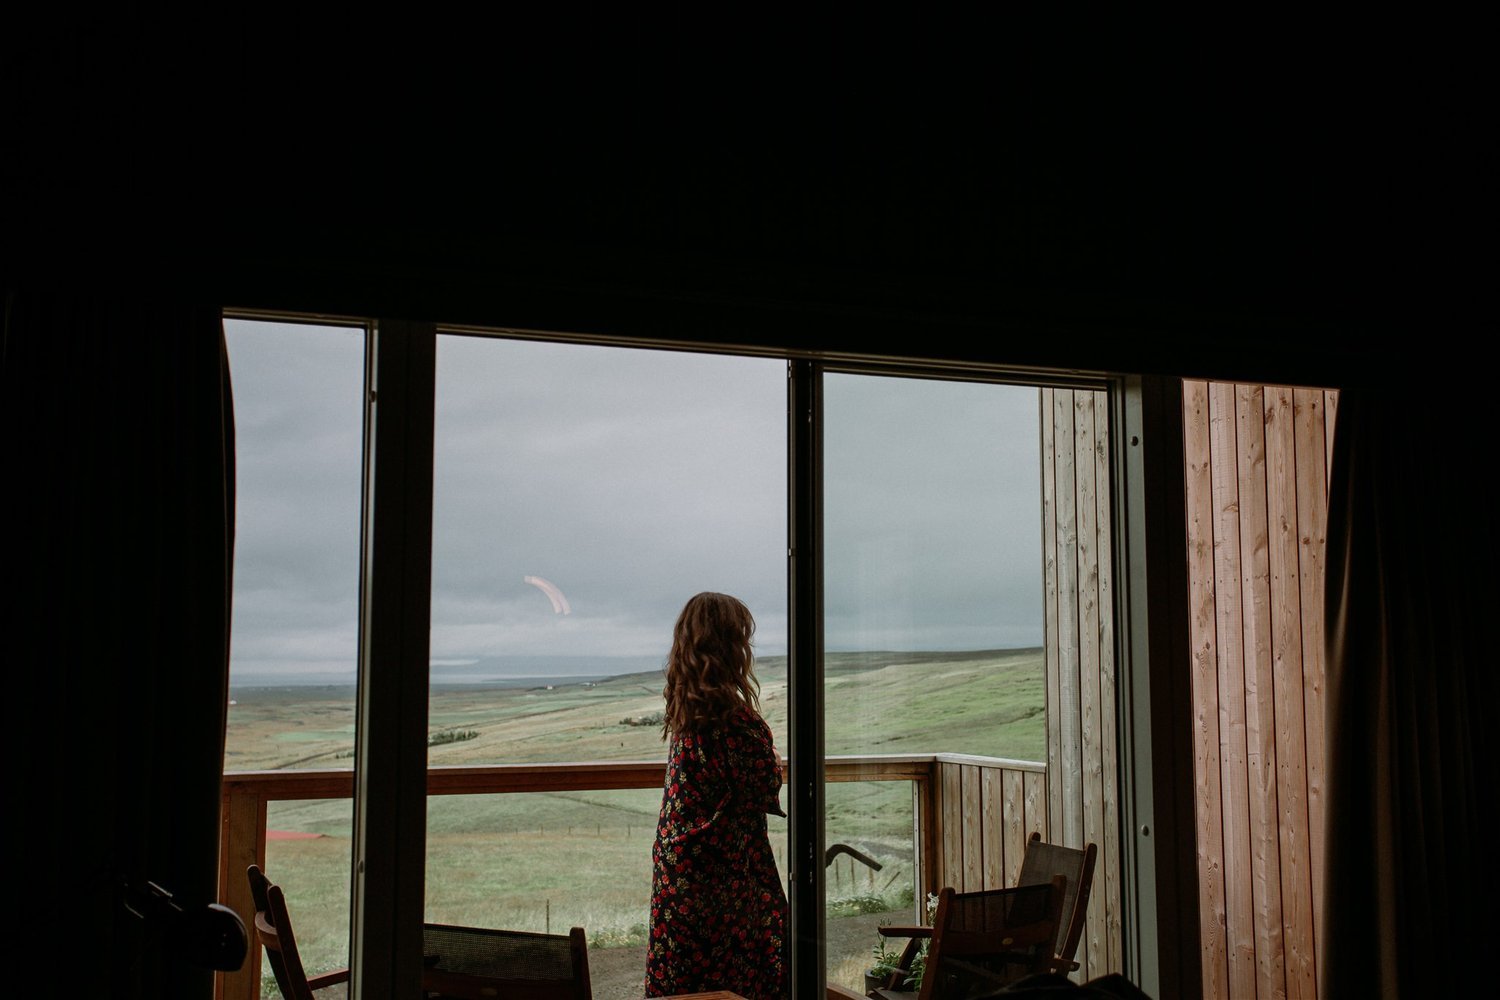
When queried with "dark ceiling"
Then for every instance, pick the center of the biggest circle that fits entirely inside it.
(1277, 199)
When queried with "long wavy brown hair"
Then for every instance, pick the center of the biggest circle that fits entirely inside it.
(711, 668)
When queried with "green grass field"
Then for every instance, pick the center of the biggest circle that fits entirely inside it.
(554, 860)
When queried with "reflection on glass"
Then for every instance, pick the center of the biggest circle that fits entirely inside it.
(298, 415)
(581, 495)
(933, 615)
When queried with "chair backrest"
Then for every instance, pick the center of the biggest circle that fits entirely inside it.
(982, 941)
(1040, 863)
(521, 965)
(274, 929)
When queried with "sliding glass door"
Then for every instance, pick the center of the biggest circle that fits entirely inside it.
(582, 494)
(933, 669)
(299, 423)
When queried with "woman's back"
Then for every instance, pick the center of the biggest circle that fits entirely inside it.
(718, 908)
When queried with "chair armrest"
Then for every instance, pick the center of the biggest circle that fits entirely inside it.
(837, 992)
(907, 932)
(323, 979)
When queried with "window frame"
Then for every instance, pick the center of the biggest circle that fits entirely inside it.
(1160, 921)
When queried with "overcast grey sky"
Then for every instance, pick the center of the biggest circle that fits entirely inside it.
(629, 480)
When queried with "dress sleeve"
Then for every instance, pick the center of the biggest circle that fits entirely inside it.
(759, 767)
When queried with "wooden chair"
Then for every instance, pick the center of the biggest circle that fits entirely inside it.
(274, 929)
(1041, 861)
(462, 963)
(983, 941)
(476, 963)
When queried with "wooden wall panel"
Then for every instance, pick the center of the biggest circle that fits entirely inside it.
(993, 808)
(1314, 439)
(1066, 779)
(1048, 419)
(1260, 705)
(1286, 663)
(1256, 465)
(974, 829)
(1013, 785)
(1239, 876)
(1107, 865)
(950, 806)
(1202, 634)
(1034, 790)
(987, 809)
(1083, 773)
(1256, 459)
(1090, 727)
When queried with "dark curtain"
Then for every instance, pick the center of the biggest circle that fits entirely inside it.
(1410, 893)
(118, 521)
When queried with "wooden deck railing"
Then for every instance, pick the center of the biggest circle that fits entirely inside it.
(968, 815)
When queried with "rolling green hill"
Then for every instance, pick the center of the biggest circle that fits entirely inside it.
(987, 702)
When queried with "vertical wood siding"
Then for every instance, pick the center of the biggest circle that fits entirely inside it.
(986, 808)
(1109, 847)
(1202, 628)
(1049, 597)
(1078, 586)
(1255, 459)
(1067, 786)
(1313, 417)
(1230, 680)
(1292, 827)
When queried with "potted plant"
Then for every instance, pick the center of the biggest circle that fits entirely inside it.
(886, 960)
(913, 979)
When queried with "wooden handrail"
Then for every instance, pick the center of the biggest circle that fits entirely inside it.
(570, 776)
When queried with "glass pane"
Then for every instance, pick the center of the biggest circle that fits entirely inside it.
(308, 845)
(516, 861)
(933, 625)
(299, 417)
(581, 495)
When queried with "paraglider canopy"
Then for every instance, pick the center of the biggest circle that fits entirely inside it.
(559, 602)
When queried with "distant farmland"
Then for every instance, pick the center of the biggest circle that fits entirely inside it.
(538, 860)
(987, 702)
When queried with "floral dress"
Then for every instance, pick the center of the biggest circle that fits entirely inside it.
(718, 909)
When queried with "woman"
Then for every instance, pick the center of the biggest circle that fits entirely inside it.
(718, 911)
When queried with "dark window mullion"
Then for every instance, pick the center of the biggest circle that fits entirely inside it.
(390, 795)
(804, 676)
